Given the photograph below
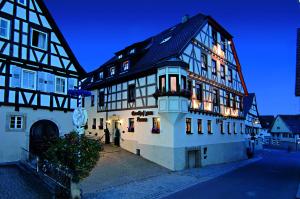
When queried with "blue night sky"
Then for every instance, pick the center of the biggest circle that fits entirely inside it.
(264, 33)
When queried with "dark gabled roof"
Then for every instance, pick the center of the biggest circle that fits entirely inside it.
(292, 122)
(61, 38)
(154, 51)
(266, 121)
(297, 91)
(248, 101)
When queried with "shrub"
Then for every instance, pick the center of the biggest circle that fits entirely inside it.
(78, 153)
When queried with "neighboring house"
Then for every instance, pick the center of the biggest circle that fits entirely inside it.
(266, 122)
(252, 122)
(285, 130)
(37, 68)
(297, 90)
(176, 97)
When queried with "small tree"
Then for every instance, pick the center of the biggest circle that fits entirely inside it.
(78, 153)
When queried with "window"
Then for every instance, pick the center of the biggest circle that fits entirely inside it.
(215, 97)
(222, 127)
(112, 71)
(190, 86)
(183, 82)
(132, 51)
(173, 83)
(230, 75)
(22, 2)
(125, 65)
(222, 70)
(199, 92)
(209, 130)
(131, 125)
(156, 125)
(101, 99)
(241, 128)
(228, 128)
(214, 67)
(101, 125)
(234, 128)
(29, 79)
(188, 126)
(120, 56)
(82, 102)
(94, 123)
(215, 37)
(4, 28)
(200, 126)
(39, 39)
(204, 61)
(228, 100)
(60, 85)
(223, 43)
(162, 83)
(234, 101)
(16, 122)
(92, 100)
(131, 93)
(101, 76)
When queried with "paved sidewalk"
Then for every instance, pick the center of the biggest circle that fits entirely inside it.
(167, 183)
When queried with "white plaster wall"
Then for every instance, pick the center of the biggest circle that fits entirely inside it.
(11, 142)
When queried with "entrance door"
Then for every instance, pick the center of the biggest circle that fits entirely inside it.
(193, 159)
(41, 133)
(116, 133)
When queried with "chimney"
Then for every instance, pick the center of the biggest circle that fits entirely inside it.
(185, 18)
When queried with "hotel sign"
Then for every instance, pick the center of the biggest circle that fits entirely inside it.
(141, 113)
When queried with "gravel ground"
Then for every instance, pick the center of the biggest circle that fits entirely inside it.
(16, 184)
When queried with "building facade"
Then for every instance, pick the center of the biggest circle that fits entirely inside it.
(175, 99)
(37, 68)
(253, 128)
(297, 88)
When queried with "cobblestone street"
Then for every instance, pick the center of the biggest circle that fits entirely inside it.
(16, 184)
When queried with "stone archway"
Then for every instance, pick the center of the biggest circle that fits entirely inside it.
(41, 132)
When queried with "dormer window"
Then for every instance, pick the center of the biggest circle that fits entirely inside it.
(132, 51)
(120, 56)
(125, 65)
(112, 71)
(101, 75)
(165, 40)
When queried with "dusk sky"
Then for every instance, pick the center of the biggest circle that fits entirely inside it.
(264, 34)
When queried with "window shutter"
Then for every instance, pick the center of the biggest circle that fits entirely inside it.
(16, 76)
(42, 81)
(50, 82)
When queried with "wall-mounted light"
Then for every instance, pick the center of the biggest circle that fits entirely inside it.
(108, 122)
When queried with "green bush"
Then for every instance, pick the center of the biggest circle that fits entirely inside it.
(78, 153)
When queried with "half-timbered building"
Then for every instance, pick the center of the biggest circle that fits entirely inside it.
(297, 88)
(176, 98)
(37, 67)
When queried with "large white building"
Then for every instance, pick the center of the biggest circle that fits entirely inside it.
(176, 98)
(37, 68)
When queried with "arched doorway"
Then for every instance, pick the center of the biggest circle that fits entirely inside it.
(41, 133)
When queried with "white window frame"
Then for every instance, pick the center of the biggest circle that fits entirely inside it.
(22, 79)
(8, 28)
(22, 3)
(46, 40)
(15, 123)
(65, 79)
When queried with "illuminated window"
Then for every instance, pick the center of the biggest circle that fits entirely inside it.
(214, 67)
(156, 125)
(200, 126)
(4, 28)
(131, 125)
(125, 65)
(39, 39)
(209, 129)
(173, 83)
(112, 71)
(188, 126)
(162, 83)
(16, 122)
